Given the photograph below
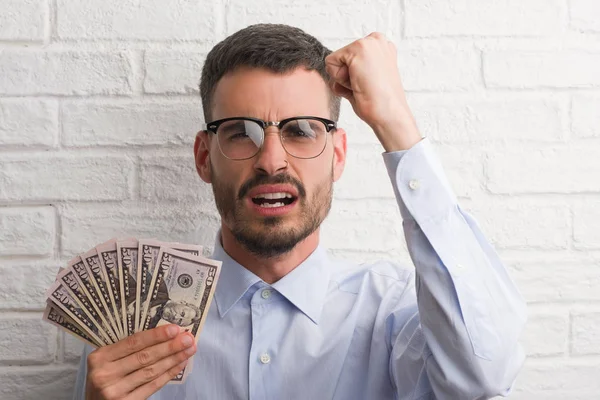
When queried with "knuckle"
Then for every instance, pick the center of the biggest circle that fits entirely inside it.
(93, 359)
(174, 371)
(149, 373)
(98, 378)
(182, 356)
(132, 342)
(108, 393)
(143, 357)
(154, 385)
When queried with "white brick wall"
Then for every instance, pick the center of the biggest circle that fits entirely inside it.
(99, 108)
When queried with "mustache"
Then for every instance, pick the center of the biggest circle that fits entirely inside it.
(279, 179)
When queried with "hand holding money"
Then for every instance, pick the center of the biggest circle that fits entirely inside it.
(123, 296)
(139, 365)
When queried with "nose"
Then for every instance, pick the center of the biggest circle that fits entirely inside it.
(272, 157)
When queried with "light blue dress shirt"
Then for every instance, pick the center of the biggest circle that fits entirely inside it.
(331, 329)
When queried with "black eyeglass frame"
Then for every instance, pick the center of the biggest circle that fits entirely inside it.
(214, 126)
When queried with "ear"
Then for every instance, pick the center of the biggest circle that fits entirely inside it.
(202, 155)
(339, 153)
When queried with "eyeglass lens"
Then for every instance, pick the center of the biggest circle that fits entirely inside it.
(302, 138)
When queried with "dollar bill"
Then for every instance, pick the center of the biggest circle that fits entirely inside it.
(58, 318)
(80, 294)
(94, 296)
(91, 259)
(181, 292)
(148, 254)
(107, 255)
(127, 256)
(60, 296)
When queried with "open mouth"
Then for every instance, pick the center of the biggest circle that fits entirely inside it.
(272, 200)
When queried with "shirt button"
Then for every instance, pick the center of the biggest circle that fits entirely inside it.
(265, 358)
(414, 184)
(265, 294)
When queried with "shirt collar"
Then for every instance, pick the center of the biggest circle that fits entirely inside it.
(305, 286)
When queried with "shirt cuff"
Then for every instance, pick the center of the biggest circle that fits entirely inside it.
(421, 187)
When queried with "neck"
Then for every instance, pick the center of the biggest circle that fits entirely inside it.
(271, 269)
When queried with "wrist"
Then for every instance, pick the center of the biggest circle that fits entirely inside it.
(400, 133)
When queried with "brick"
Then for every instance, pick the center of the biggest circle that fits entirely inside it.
(554, 281)
(509, 224)
(174, 178)
(552, 326)
(135, 20)
(365, 175)
(173, 71)
(586, 220)
(585, 334)
(419, 64)
(28, 122)
(463, 167)
(544, 169)
(565, 379)
(351, 19)
(530, 69)
(432, 18)
(27, 231)
(585, 116)
(351, 226)
(357, 131)
(26, 339)
(38, 72)
(22, 20)
(126, 123)
(24, 284)
(86, 225)
(48, 383)
(48, 177)
(494, 118)
(584, 15)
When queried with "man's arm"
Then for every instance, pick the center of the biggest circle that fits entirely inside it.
(462, 341)
(470, 315)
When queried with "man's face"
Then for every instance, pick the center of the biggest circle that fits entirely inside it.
(180, 314)
(239, 184)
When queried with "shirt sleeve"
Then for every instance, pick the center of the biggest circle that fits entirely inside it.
(470, 314)
(79, 390)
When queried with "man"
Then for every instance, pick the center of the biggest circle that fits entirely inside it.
(288, 322)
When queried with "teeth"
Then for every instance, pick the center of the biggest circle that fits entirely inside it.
(280, 195)
(268, 205)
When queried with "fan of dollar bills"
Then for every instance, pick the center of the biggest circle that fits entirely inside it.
(121, 287)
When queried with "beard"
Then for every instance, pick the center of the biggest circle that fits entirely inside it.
(268, 237)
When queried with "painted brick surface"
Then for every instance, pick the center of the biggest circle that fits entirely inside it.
(99, 109)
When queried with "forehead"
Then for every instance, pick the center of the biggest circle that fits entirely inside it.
(259, 93)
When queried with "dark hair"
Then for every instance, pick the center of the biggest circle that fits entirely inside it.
(276, 47)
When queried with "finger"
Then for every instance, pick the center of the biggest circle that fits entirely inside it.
(336, 63)
(151, 355)
(338, 71)
(377, 35)
(342, 91)
(164, 373)
(137, 342)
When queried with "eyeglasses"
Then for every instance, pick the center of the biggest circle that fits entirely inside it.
(241, 138)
